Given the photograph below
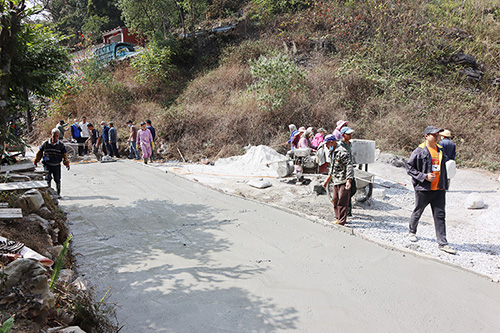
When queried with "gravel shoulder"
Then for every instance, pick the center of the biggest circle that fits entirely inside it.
(382, 219)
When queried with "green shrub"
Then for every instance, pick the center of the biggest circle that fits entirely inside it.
(276, 77)
(153, 63)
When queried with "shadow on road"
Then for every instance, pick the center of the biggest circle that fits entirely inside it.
(160, 258)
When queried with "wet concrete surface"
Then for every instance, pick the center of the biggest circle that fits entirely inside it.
(183, 258)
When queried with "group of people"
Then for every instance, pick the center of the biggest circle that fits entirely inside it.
(53, 151)
(85, 134)
(426, 167)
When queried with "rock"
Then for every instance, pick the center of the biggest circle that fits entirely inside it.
(29, 277)
(461, 59)
(66, 275)
(317, 187)
(474, 201)
(79, 284)
(53, 195)
(44, 224)
(30, 201)
(106, 159)
(392, 159)
(45, 213)
(473, 74)
(54, 251)
(498, 178)
(260, 183)
(70, 329)
(379, 193)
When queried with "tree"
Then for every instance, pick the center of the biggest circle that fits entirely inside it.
(162, 16)
(13, 12)
(40, 63)
(30, 59)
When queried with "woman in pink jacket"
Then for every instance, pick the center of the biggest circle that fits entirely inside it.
(144, 139)
(318, 138)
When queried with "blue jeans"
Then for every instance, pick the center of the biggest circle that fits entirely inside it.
(133, 150)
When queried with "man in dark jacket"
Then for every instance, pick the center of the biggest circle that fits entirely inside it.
(113, 139)
(427, 169)
(153, 133)
(105, 138)
(52, 152)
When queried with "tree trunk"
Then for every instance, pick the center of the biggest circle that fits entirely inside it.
(10, 26)
(29, 117)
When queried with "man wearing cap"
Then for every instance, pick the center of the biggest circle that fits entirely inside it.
(341, 176)
(448, 146)
(427, 169)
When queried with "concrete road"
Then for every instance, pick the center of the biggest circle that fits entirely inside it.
(182, 258)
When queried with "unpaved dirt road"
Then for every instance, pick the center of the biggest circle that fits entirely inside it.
(182, 258)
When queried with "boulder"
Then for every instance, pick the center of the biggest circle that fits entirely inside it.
(29, 277)
(45, 213)
(30, 201)
(474, 201)
(44, 224)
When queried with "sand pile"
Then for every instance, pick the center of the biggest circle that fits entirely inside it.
(253, 162)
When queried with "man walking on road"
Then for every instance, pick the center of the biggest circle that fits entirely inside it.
(113, 139)
(132, 141)
(52, 152)
(427, 169)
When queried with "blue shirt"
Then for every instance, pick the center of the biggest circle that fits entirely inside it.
(449, 148)
(291, 138)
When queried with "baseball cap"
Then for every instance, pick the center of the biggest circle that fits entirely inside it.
(329, 137)
(346, 130)
(432, 130)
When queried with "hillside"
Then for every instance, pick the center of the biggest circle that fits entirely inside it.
(389, 67)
